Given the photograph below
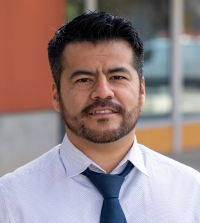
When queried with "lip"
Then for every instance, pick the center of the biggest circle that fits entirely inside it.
(102, 109)
(102, 115)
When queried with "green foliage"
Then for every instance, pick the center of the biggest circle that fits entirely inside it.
(74, 8)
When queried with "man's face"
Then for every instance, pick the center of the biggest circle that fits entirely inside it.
(100, 97)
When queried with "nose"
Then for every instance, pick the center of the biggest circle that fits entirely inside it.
(102, 89)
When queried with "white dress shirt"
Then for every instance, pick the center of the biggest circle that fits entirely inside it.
(51, 189)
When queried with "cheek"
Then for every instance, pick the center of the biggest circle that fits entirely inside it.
(75, 101)
(128, 97)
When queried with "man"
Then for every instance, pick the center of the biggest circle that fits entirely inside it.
(99, 173)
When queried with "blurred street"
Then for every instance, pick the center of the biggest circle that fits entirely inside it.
(189, 158)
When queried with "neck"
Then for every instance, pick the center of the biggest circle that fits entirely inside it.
(107, 155)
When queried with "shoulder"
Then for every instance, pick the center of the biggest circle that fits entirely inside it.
(37, 166)
(160, 163)
(20, 189)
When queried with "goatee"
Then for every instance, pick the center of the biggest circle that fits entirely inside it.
(77, 125)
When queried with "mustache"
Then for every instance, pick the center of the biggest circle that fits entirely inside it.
(103, 103)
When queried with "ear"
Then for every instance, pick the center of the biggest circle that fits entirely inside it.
(142, 92)
(55, 97)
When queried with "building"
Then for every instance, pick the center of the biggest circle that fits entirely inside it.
(28, 124)
(170, 29)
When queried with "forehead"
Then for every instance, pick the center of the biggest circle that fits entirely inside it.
(115, 51)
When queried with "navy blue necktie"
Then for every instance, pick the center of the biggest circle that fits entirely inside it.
(109, 187)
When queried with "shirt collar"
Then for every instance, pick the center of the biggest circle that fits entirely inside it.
(76, 162)
(136, 158)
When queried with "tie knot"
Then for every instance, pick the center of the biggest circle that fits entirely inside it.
(108, 185)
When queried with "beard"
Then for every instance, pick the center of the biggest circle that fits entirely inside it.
(77, 125)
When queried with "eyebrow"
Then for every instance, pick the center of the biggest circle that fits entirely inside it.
(81, 72)
(110, 71)
(118, 70)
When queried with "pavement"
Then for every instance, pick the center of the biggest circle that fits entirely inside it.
(189, 158)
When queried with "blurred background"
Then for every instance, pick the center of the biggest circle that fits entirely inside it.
(170, 119)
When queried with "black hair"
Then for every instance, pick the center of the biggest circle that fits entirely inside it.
(94, 27)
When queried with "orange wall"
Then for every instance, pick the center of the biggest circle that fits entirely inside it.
(190, 136)
(26, 28)
(158, 139)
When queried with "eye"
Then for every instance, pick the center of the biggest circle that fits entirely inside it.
(117, 77)
(83, 80)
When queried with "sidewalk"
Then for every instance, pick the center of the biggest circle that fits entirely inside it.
(189, 158)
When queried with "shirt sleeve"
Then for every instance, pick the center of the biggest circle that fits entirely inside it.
(4, 217)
